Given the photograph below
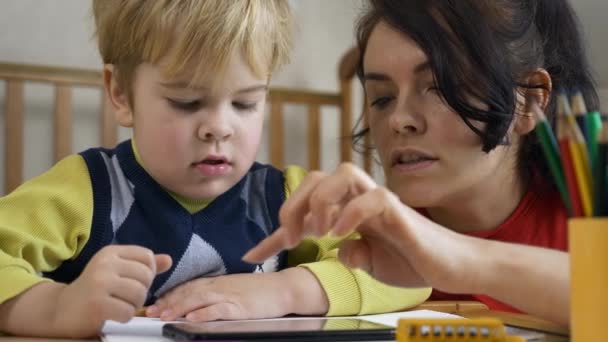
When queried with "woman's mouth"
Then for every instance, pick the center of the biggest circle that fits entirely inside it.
(408, 161)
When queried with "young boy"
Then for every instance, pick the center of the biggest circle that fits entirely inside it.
(106, 231)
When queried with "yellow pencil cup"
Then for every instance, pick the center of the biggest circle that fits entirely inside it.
(588, 245)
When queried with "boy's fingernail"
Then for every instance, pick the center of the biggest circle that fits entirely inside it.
(246, 257)
(336, 233)
(152, 310)
(167, 314)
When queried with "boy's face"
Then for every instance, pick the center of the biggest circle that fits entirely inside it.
(197, 142)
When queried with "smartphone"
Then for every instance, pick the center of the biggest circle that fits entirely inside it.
(291, 329)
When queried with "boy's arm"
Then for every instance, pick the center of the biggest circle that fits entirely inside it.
(42, 223)
(112, 286)
(324, 286)
(348, 291)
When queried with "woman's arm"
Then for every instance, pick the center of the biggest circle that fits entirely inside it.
(533, 279)
(401, 247)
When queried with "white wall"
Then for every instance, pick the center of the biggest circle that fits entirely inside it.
(58, 32)
(603, 93)
(592, 16)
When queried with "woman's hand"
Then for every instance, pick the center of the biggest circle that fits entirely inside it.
(403, 248)
(398, 245)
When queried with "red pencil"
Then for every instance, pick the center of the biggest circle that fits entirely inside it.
(564, 137)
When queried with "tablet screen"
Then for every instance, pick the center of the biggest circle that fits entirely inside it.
(300, 329)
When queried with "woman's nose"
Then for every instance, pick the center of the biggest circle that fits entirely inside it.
(407, 121)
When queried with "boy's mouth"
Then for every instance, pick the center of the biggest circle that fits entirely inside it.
(213, 166)
(213, 160)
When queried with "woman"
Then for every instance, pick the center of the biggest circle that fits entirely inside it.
(469, 207)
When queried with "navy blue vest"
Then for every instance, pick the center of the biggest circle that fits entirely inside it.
(130, 208)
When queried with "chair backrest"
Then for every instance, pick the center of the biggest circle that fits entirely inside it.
(64, 80)
(346, 72)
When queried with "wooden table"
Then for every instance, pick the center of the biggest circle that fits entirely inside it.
(551, 331)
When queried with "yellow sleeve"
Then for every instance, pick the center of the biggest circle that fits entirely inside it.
(44, 222)
(350, 292)
(294, 175)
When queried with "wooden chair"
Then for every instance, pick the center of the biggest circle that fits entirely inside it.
(342, 100)
(65, 80)
(347, 72)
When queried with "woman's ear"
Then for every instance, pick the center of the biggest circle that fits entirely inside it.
(117, 96)
(540, 87)
(536, 96)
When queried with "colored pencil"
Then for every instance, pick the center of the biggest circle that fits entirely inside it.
(594, 126)
(549, 145)
(579, 156)
(564, 140)
(579, 110)
(601, 174)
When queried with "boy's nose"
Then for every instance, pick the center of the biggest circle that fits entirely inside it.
(215, 131)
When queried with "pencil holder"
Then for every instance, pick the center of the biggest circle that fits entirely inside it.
(588, 245)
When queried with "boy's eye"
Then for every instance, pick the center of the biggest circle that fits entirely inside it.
(246, 106)
(189, 106)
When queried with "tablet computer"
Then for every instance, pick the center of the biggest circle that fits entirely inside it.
(291, 329)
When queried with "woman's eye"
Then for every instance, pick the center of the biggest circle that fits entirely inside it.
(381, 102)
(246, 106)
(188, 106)
(433, 89)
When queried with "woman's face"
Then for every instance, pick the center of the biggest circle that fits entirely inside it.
(429, 155)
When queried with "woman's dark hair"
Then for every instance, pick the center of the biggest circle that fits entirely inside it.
(482, 50)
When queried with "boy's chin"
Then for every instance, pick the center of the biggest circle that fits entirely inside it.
(206, 191)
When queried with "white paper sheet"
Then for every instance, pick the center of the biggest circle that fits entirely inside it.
(392, 318)
(133, 338)
(138, 326)
(150, 329)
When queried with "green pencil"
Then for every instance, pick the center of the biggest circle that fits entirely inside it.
(601, 173)
(549, 146)
(594, 126)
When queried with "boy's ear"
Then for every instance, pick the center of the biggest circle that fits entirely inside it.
(535, 97)
(117, 96)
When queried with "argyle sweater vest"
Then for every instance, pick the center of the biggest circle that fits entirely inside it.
(131, 208)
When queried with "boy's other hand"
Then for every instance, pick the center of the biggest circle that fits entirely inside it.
(113, 286)
(243, 296)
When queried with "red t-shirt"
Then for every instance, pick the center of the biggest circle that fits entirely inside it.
(540, 219)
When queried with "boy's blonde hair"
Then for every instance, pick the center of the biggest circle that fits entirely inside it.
(203, 34)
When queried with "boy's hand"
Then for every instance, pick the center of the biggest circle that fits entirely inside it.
(113, 286)
(243, 296)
